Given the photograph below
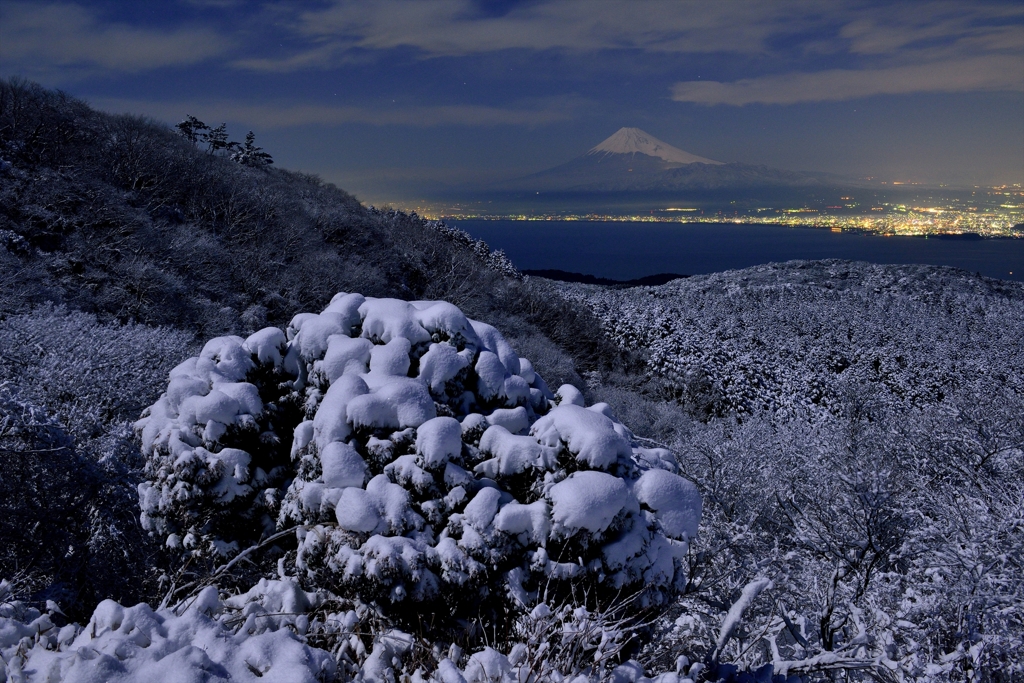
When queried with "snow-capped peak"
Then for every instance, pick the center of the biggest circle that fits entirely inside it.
(634, 140)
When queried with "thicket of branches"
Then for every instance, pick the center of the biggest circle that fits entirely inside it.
(859, 443)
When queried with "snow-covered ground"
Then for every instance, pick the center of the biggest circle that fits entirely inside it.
(386, 491)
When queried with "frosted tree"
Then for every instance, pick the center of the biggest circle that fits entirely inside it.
(192, 129)
(217, 140)
(248, 154)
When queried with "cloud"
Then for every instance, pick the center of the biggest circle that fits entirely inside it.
(458, 27)
(37, 36)
(447, 28)
(267, 116)
(935, 26)
(995, 72)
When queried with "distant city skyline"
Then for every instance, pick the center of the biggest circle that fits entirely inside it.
(395, 99)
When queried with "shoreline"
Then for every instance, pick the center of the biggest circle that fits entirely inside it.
(856, 230)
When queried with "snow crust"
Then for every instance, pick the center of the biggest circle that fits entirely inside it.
(192, 645)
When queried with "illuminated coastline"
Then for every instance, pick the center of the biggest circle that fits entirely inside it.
(996, 212)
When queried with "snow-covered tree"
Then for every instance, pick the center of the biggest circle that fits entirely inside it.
(422, 463)
(192, 129)
(217, 139)
(248, 154)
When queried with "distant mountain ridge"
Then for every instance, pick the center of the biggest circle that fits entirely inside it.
(633, 161)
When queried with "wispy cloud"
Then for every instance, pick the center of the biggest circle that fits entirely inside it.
(997, 72)
(37, 36)
(459, 28)
(287, 115)
(926, 27)
(928, 46)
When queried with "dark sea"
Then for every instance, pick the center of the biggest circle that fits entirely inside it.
(630, 250)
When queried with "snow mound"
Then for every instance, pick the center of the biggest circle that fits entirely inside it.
(268, 631)
(142, 644)
(675, 501)
(588, 500)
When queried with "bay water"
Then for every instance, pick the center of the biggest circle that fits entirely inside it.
(623, 250)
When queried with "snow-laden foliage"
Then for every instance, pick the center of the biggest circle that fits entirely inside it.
(876, 505)
(422, 463)
(69, 385)
(800, 338)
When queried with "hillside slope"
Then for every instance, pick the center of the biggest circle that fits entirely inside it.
(798, 337)
(119, 216)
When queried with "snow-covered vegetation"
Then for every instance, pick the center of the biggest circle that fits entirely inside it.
(423, 464)
(860, 448)
(70, 389)
(796, 338)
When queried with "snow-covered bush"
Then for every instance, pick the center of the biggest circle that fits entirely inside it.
(422, 463)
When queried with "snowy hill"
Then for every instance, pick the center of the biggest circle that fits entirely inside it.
(860, 442)
(795, 337)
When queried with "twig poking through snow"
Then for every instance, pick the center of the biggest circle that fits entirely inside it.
(732, 618)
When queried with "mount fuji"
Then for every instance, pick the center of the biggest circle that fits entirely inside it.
(633, 141)
(632, 161)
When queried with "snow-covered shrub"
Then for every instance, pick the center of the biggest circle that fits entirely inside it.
(422, 462)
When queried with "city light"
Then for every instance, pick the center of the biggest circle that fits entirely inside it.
(985, 214)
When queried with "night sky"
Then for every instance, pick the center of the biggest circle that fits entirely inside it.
(391, 99)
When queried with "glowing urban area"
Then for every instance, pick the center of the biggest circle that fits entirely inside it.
(987, 212)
